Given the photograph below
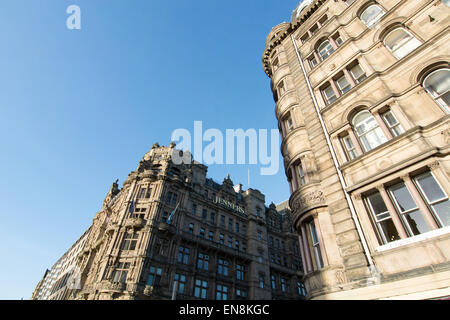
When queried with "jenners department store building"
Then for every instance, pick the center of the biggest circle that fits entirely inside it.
(171, 232)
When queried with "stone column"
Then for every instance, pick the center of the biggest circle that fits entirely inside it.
(355, 141)
(383, 125)
(395, 218)
(335, 88)
(302, 254)
(349, 77)
(333, 43)
(420, 203)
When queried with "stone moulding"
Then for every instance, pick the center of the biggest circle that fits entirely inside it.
(302, 202)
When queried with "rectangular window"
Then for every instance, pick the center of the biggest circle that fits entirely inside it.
(181, 279)
(203, 261)
(301, 174)
(202, 233)
(230, 241)
(313, 62)
(200, 289)
(144, 193)
(241, 294)
(204, 214)
(261, 281)
(183, 255)
(337, 38)
(211, 235)
(304, 38)
(283, 284)
(382, 218)
(273, 281)
(259, 235)
(329, 94)
(236, 244)
(165, 216)
(222, 267)
(275, 64)
(392, 123)
(221, 238)
(121, 272)
(237, 227)
(221, 292)
(194, 208)
(240, 272)
(191, 228)
(435, 197)
(270, 241)
(343, 84)
(349, 147)
(289, 123)
(281, 88)
(358, 73)
(301, 289)
(154, 276)
(212, 217)
(222, 220)
(316, 245)
(230, 224)
(129, 241)
(409, 210)
(171, 198)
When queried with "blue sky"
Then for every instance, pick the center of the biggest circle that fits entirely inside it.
(79, 108)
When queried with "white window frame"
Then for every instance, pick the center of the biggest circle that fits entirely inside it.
(437, 98)
(373, 21)
(396, 49)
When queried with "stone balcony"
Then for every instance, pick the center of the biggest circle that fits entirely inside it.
(106, 286)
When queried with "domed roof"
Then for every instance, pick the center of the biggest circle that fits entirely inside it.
(301, 6)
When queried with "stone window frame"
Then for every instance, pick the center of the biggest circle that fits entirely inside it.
(415, 192)
(307, 250)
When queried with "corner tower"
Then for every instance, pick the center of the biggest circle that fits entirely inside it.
(349, 80)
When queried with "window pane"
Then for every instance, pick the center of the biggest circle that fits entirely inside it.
(343, 84)
(430, 187)
(442, 209)
(403, 197)
(358, 73)
(371, 15)
(416, 222)
(438, 82)
(377, 203)
(389, 231)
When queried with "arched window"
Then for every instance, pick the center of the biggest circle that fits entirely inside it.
(368, 131)
(371, 15)
(325, 49)
(437, 85)
(401, 42)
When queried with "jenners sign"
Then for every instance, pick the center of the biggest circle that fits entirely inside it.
(229, 204)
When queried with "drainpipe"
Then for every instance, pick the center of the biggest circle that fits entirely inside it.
(335, 162)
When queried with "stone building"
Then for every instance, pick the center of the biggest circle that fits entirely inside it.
(362, 101)
(171, 232)
(62, 280)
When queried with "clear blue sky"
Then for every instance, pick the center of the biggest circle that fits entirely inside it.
(80, 108)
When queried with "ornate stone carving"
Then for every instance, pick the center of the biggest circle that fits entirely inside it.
(434, 165)
(308, 200)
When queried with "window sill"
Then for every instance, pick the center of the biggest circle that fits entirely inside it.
(421, 237)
